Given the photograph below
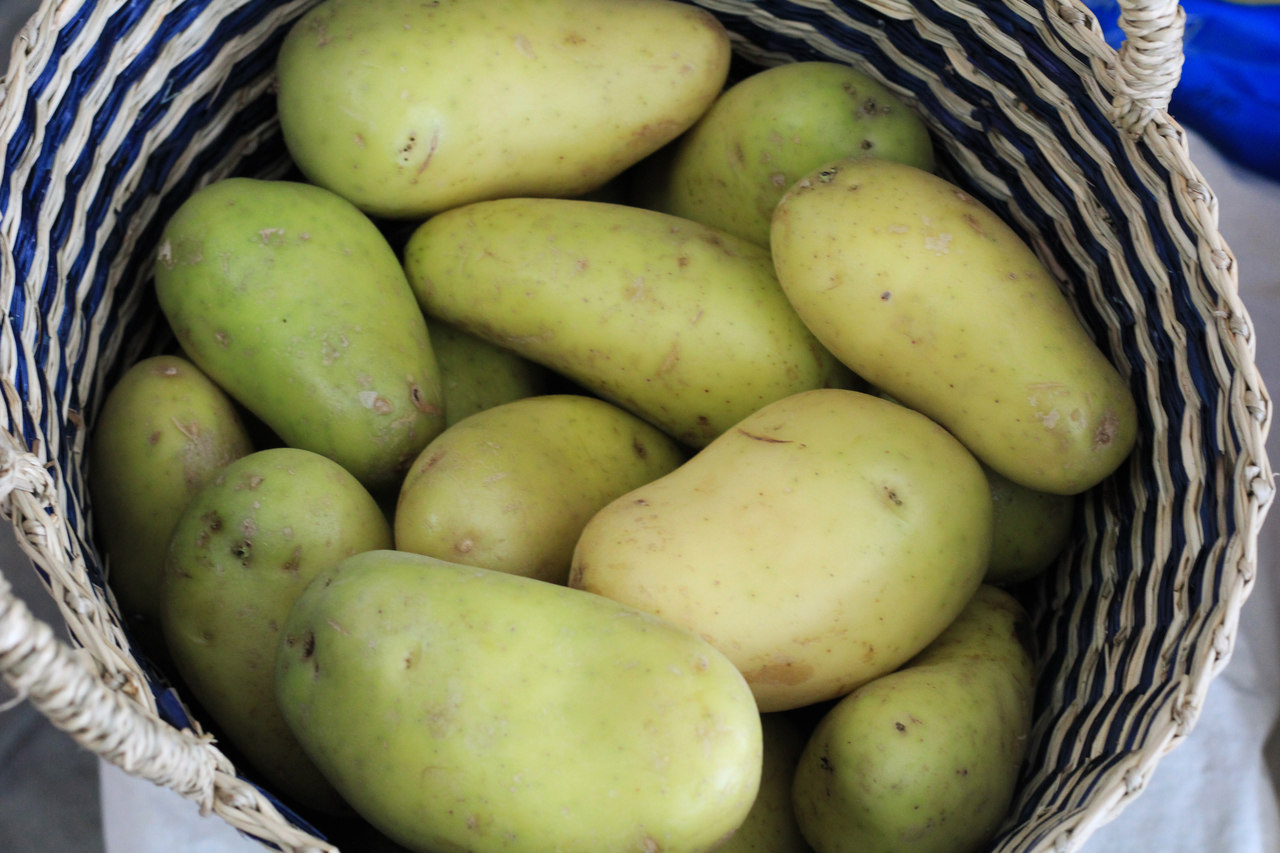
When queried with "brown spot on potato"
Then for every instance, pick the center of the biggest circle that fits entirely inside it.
(1107, 430)
(785, 672)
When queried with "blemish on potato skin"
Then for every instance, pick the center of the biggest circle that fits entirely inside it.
(787, 673)
(1107, 430)
(768, 439)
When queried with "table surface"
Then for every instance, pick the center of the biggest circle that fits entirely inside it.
(1214, 791)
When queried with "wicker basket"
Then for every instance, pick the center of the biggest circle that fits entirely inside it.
(115, 111)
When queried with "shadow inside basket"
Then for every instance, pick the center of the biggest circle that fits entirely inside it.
(134, 108)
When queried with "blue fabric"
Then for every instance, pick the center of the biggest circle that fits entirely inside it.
(1230, 87)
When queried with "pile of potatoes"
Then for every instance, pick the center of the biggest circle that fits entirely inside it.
(593, 452)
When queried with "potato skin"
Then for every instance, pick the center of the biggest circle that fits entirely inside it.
(820, 543)
(476, 375)
(292, 300)
(677, 322)
(510, 488)
(768, 131)
(409, 108)
(243, 550)
(163, 431)
(926, 758)
(928, 295)
(463, 709)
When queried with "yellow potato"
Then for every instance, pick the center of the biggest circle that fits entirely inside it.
(674, 321)
(511, 487)
(820, 543)
(927, 294)
(409, 108)
(459, 708)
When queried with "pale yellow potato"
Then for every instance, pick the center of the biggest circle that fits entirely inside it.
(819, 543)
(408, 108)
(926, 759)
(463, 709)
(510, 488)
(927, 294)
(679, 323)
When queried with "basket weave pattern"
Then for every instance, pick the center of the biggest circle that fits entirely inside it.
(113, 113)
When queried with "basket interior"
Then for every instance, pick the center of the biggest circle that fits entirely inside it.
(115, 115)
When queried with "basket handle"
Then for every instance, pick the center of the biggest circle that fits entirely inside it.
(65, 685)
(1149, 61)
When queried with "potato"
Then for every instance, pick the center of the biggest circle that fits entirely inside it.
(409, 108)
(293, 301)
(771, 825)
(925, 759)
(678, 323)
(476, 375)
(768, 131)
(163, 431)
(1030, 529)
(459, 708)
(821, 542)
(243, 550)
(927, 294)
(510, 488)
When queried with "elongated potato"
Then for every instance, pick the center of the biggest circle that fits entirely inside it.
(677, 322)
(927, 294)
(459, 708)
(409, 108)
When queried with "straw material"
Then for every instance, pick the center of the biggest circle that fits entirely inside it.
(113, 113)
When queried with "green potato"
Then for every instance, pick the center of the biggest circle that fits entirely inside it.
(927, 758)
(820, 543)
(476, 375)
(674, 321)
(242, 552)
(293, 301)
(409, 108)
(927, 294)
(463, 709)
(771, 825)
(1030, 530)
(510, 488)
(163, 430)
(768, 131)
